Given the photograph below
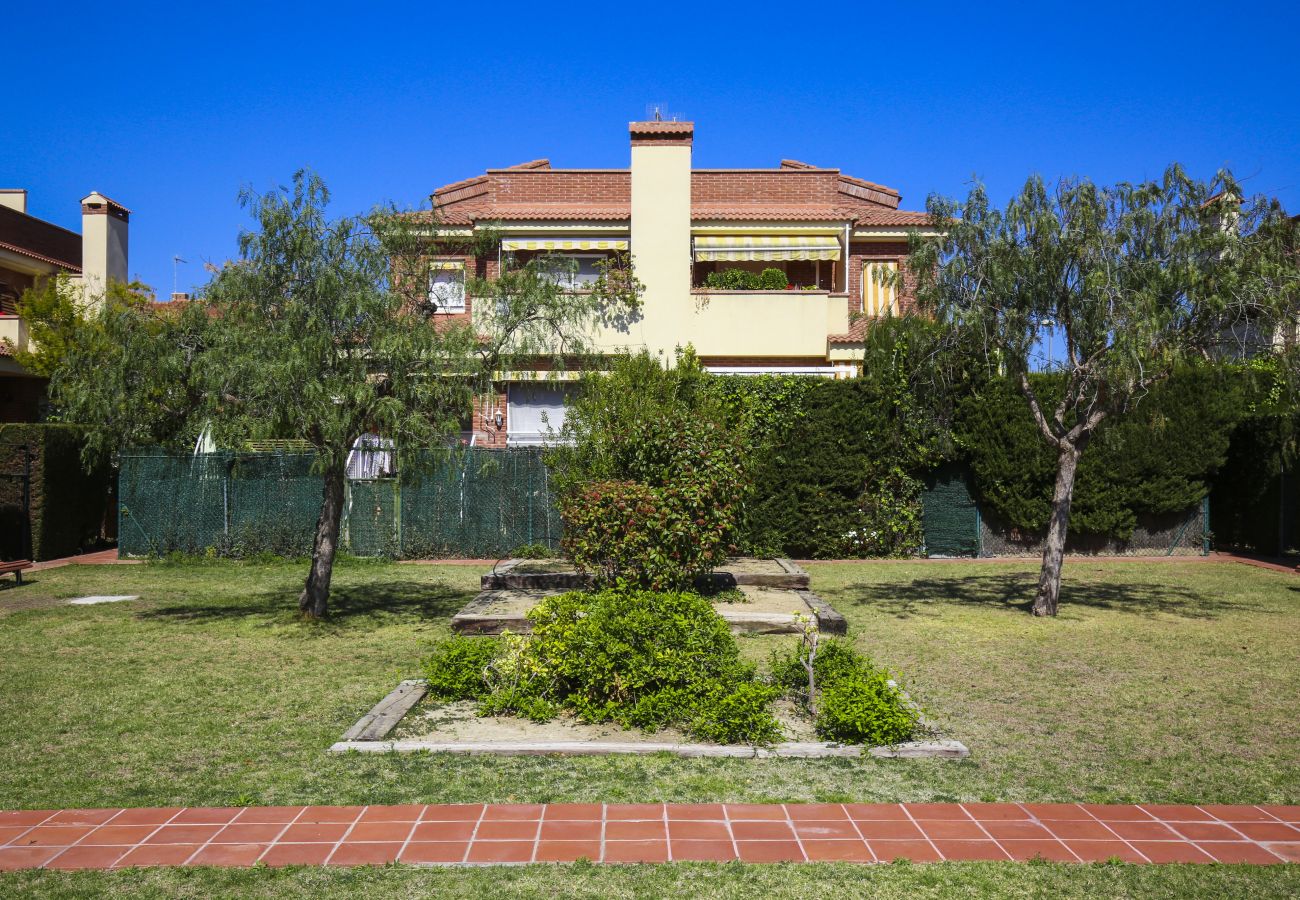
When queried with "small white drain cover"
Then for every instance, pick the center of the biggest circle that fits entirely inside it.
(104, 598)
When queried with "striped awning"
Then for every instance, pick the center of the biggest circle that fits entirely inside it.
(738, 247)
(570, 243)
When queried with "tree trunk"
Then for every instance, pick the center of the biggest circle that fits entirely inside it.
(1049, 578)
(314, 599)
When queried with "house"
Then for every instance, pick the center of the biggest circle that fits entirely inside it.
(33, 250)
(826, 232)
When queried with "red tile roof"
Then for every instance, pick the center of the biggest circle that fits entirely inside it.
(38, 239)
(892, 218)
(63, 264)
(661, 127)
(758, 212)
(856, 334)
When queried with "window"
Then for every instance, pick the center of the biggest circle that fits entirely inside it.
(577, 272)
(879, 293)
(536, 413)
(447, 286)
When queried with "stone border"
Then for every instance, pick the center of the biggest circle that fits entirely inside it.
(472, 619)
(789, 750)
(369, 733)
(504, 577)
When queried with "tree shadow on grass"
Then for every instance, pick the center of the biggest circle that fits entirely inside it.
(1015, 592)
(351, 606)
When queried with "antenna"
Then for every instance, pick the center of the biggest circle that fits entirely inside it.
(176, 260)
(657, 112)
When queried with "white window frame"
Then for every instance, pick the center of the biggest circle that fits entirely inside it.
(442, 305)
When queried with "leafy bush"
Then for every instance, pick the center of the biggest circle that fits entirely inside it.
(533, 551)
(772, 280)
(733, 280)
(455, 667)
(652, 488)
(1156, 458)
(864, 708)
(739, 715)
(855, 703)
(648, 660)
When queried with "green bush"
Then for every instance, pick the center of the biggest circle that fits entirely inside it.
(1156, 458)
(734, 280)
(739, 715)
(532, 551)
(836, 659)
(855, 702)
(647, 660)
(772, 280)
(455, 667)
(654, 499)
(864, 708)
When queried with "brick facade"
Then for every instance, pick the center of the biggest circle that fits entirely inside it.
(880, 251)
(486, 431)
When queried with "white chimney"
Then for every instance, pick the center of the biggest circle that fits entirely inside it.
(104, 225)
(14, 198)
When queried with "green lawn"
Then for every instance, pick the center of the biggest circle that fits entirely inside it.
(731, 880)
(1160, 682)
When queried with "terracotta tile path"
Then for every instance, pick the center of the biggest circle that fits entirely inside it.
(654, 832)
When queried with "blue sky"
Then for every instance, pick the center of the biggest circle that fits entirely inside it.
(169, 109)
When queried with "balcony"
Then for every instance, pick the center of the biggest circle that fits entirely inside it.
(766, 323)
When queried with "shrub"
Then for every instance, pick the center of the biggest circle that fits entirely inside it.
(741, 715)
(836, 659)
(648, 660)
(864, 708)
(734, 280)
(772, 280)
(533, 551)
(455, 667)
(672, 514)
(855, 702)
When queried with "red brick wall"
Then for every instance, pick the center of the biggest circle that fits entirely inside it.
(559, 186)
(780, 186)
(880, 251)
(484, 423)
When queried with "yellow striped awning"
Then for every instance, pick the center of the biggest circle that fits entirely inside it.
(738, 247)
(577, 243)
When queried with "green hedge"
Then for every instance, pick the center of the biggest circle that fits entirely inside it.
(69, 505)
(1157, 458)
(840, 466)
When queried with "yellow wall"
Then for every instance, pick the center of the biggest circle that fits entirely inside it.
(661, 245)
(14, 330)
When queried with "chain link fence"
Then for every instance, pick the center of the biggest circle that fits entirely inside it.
(471, 502)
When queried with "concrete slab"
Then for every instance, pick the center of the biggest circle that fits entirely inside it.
(766, 610)
(552, 574)
(102, 598)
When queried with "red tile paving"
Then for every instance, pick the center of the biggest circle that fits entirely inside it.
(475, 834)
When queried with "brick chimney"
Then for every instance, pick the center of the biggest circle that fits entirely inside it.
(104, 226)
(661, 227)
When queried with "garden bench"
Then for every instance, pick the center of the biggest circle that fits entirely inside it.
(15, 567)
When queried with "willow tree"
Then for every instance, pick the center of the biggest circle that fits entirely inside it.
(1136, 279)
(323, 330)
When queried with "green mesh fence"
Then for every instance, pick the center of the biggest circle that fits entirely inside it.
(453, 503)
(949, 515)
(955, 525)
